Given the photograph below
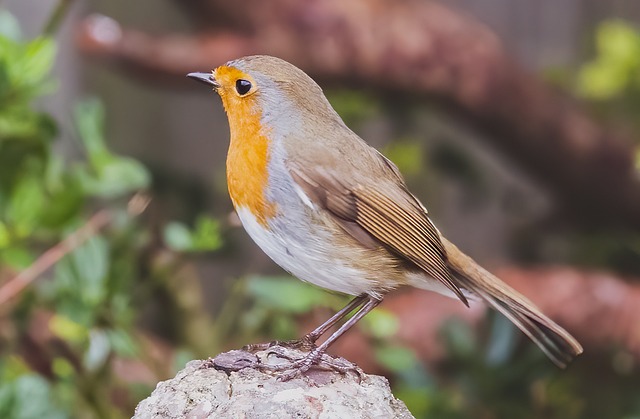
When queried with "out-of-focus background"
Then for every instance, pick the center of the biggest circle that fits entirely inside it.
(121, 259)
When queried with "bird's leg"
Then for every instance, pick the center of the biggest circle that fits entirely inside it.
(307, 342)
(316, 356)
(314, 335)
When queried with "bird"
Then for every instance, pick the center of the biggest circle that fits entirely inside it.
(335, 212)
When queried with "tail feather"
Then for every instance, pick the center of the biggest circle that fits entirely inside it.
(552, 339)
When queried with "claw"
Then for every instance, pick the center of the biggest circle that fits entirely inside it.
(291, 365)
(316, 359)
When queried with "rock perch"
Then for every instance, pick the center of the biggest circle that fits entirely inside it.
(230, 386)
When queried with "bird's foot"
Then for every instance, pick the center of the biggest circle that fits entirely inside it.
(284, 361)
(315, 359)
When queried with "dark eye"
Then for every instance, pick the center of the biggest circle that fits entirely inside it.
(243, 86)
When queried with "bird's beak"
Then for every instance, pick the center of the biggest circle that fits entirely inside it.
(206, 78)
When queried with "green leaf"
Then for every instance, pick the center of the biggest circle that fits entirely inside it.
(23, 69)
(25, 206)
(177, 237)
(54, 172)
(206, 235)
(62, 368)
(381, 323)
(12, 367)
(65, 204)
(396, 358)
(112, 176)
(600, 80)
(417, 400)
(460, 338)
(353, 106)
(9, 26)
(28, 397)
(68, 330)
(285, 293)
(89, 118)
(16, 257)
(407, 155)
(117, 177)
(5, 237)
(67, 292)
(616, 64)
(37, 61)
(98, 351)
(618, 42)
(122, 343)
(64, 278)
(21, 123)
(91, 265)
(5, 81)
(282, 327)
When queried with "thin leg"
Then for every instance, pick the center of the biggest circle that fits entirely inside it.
(308, 341)
(321, 330)
(315, 355)
(370, 305)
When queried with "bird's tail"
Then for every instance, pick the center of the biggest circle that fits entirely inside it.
(554, 341)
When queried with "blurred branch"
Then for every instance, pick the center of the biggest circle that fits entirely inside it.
(417, 48)
(57, 16)
(97, 222)
(49, 258)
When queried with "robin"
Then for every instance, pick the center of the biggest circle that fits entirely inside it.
(333, 211)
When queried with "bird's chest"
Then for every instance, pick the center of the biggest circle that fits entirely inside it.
(285, 224)
(248, 174)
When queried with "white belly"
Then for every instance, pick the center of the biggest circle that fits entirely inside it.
(304, 252)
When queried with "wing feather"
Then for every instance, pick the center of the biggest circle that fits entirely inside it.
(386, 213)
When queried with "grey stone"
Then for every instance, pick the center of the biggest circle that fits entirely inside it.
(214, 389)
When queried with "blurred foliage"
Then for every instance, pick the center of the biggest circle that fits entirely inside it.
(407, 154)
(611, 80)
(85, 309)
(611, 83)
(620, 251)
(62, 338)
(354, 106)
(205, 236)
(614, 70)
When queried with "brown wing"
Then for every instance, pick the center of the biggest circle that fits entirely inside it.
(385, 214)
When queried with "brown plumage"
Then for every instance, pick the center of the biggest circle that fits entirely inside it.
(389, 215)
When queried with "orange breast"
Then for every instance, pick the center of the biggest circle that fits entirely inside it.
(247, 175)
